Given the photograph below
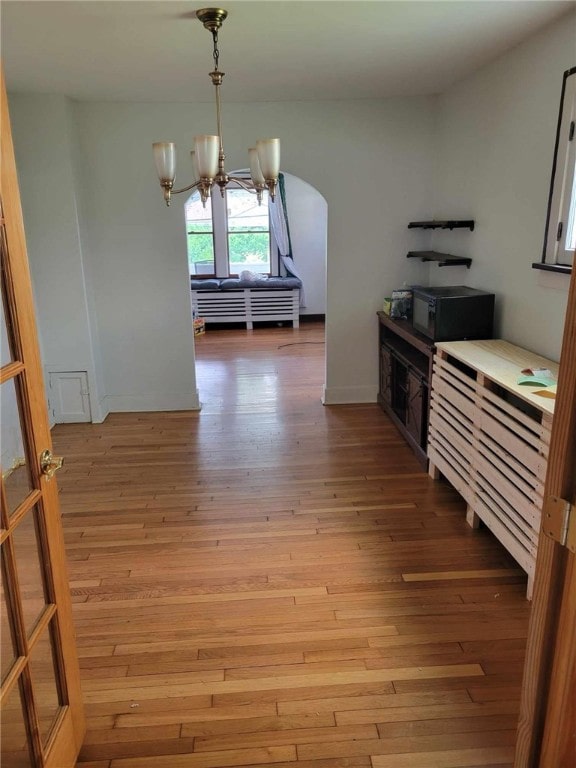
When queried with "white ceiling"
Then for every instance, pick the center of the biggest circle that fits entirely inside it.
(128, 50)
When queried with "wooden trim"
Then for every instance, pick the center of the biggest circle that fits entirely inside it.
(23, 508)
(31, 715)
(560, 269)
(404, 329)
(47, 614)
(10, 371)
(554, 572)
(559, 742)
(12, 678)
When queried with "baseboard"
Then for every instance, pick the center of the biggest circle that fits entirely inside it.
(100, 411)
(158, 402)
(349, 395)
(241, 326)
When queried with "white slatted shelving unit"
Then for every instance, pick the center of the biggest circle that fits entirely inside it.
(248, 306)
(489, 437)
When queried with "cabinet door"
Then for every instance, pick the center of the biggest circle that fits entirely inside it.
(385, 375)
(399, 382)
(416, 406)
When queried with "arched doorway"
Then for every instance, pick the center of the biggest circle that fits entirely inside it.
(209, 237)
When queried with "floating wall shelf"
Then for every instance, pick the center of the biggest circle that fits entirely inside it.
(443, 259)
(448, 224)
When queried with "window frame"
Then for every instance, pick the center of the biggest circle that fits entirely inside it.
(220, 233)
(271, 243)
(206, 275)
(555, 257)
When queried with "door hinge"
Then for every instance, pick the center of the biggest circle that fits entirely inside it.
(559, 231)
(560, 521)
(571, 134)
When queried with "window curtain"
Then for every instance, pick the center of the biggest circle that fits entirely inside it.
(281, 231)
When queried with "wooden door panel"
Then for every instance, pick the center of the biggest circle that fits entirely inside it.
(14, 750)
(40, 698)
(7, 646)
(15, 464)
(28, 559)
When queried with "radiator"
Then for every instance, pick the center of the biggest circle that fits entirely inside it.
(247, 306)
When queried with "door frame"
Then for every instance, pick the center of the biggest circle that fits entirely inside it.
(547, 722)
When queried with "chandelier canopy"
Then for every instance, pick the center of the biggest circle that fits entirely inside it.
(208, 155)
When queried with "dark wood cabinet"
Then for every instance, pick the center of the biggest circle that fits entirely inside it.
(405, 371)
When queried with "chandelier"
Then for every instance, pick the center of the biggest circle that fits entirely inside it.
(208, 155)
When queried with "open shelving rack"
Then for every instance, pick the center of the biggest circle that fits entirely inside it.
(443, 259)
(447, 224)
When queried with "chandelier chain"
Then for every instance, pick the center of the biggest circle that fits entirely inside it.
(216, 53)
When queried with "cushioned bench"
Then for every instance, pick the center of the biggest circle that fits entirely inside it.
(232, 300)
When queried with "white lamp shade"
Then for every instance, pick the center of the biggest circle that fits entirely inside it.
(206, 150)
(269, 157)
(255, 170)
(165, 159)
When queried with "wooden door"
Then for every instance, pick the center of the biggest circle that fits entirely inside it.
(547, 724)
(42, 720)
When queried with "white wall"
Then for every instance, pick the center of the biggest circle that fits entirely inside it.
(376, 170)
(496, 136)
(308, 221)
(143, 321)
(47, 189)
(136, 246)
(370, 160)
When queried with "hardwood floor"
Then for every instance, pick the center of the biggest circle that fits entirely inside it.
(272, 582)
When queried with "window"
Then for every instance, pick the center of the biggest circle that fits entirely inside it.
(560, 232)
(200, 234)
(230, 235)
(248, 232)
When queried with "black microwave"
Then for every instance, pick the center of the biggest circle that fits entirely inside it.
(452, 312)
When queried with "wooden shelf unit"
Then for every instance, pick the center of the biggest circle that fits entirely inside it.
(405, 358)
(443, 259)
(443, 224)
(489, 437)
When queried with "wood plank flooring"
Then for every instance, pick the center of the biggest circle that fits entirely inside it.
(272, 582)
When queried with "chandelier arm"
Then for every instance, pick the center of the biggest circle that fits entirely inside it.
(188, 188)
(244, 183)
